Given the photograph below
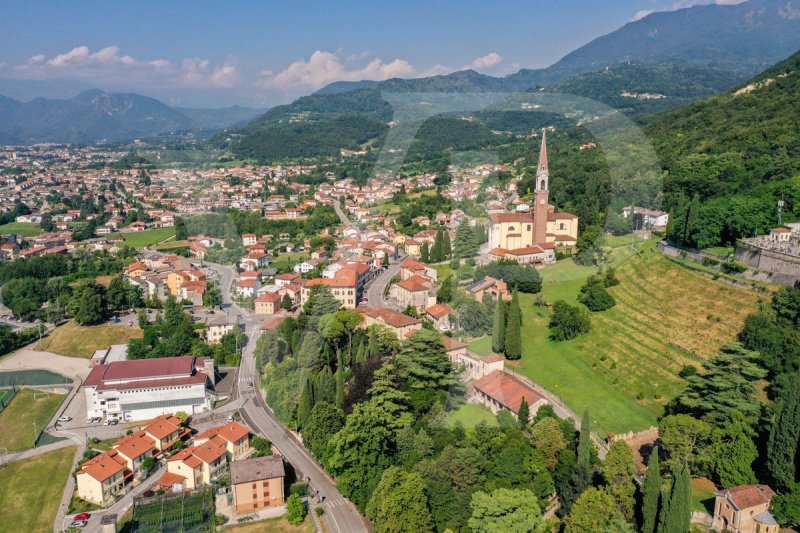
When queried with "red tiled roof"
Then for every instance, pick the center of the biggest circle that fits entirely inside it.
(439, 310)
(104, 465)
(390, 317)
(141, 369)
(231, 432)
(507, 390)
(414, 284)
(746, 496)
(511, 217)
(451, 344)
(528, 250)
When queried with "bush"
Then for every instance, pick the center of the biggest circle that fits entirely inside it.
(710, 261)
(594, 294)
(299, 488)
(320, 511)
(220, 519)
(297, 510)
(733, 267)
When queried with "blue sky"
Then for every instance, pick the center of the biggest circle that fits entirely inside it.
(206, 53)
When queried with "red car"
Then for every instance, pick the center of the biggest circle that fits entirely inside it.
(80, 517)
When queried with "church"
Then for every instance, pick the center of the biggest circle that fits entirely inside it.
(533, 235)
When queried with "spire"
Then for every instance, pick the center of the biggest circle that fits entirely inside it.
(542, 168)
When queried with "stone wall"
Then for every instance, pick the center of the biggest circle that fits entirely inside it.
(785, 268)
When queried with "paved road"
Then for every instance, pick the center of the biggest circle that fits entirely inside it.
(376, 288)
(343, 217)
(341, 516)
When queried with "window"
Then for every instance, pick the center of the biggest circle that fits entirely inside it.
(529, 227)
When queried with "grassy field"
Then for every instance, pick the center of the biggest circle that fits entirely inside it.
(470, 415)
(30, 490)
(24, 229)
(19, 416)
(724, 251)
(170, 245)
(73, 340)
(626, 367)
(142, 239)
(703, 494)
(274, 525)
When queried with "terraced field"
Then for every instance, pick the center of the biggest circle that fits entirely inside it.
(627, 367)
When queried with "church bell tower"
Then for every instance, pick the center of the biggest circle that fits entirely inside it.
(541, 194)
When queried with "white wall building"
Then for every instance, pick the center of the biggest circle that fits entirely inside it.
(146, 388)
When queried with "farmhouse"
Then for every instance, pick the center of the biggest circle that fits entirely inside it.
(500, 390)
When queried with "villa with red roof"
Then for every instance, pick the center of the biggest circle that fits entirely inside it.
(501, 390)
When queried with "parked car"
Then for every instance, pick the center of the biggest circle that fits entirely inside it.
(64, 418)
(79, 523)
(80, 516)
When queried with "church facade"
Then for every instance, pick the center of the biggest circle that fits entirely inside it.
(532, 236)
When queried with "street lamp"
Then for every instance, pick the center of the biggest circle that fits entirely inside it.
(780, 210)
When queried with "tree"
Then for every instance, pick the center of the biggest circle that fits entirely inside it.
(447, 249)
(399, 503)
(425, 253)
(466, 244)
(595, 296)
(147, 466)
(306, 403)
(651, 494)
(445, 293)
(212, 297)
(296, 510)
(90, 304)
(595, 510)
(385, 394)
(524, 414)
(286, 302)
(323, 423)
(547, 437)
(785, 435)
(513, 342)
(619, 467)
(325, 386)
(360, 452)
(262, 446)
(786, 506)
(676, 512)
(424, 364)
(499, 327)
(339, 387)
(567, 322)
(732, 452)
(506, 511)
(117, 294)
(684, 439)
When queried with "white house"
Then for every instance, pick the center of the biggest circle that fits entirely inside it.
(649, 218)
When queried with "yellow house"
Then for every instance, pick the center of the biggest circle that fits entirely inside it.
(196, 466)
(102, 477)
(413, 247)
(234, 437)
(165, 430)
(134, 449)
(257, 483)
(744, 509)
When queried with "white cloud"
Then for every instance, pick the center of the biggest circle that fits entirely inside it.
(489, 61)
(324, 67)
(109, 65)
(639, 15)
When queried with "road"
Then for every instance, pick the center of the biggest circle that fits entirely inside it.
(340, 516)
(343, 217)
(376, 288)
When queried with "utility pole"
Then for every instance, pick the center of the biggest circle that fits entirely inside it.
(780, 210)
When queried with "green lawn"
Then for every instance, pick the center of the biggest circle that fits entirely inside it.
(73, 340)
(442, 271)
(723, 251)
(30, 490)
(273, 525)
(20, 415)
(470, 415)
(143, 239)
(703, 495)
(626, 367)
(170, 245)
(24, 229)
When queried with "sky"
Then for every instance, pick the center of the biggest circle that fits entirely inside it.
(214, 54)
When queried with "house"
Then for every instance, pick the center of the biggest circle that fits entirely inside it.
(439, 316)
(306, 266)
(646, 218)
(257, 483)
(249, 239)
(219, 326)
(344, 287)
(282, 280)
(500, 390)
(411, 267)
(268, 304)
(146, 388)
(233, 437)
(475, 366)
(489, 285)
(165, 431)
(102, 477)
(744, 509)
(254, 261)
(247, 287)
(780, 235)
(415, 292)
(195, 466)
(538, 254)
(134, 449)
(401, 325)
(138, 226)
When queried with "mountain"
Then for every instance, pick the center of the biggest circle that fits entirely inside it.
(734, 142)
(224, 117)
(95, 115)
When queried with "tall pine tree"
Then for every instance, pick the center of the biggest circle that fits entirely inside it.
(499, 327)
(524, 414)
(424, 254)
(676, 514)
(513, 341)
(373, 343)
(651, 494)
(785, 435)
(447, 248)
(306, 403)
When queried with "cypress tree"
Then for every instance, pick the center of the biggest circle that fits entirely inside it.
(340, 388)
(499, 327)
(324, 386)
(306, 404)
(361, 353)
(447, 248)
(584, 460)
(784, 436)
(513, 341)
(677, 515)
(651, 493)
(424, 254)
(524, 414)
(373, 343)
(436, 251)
